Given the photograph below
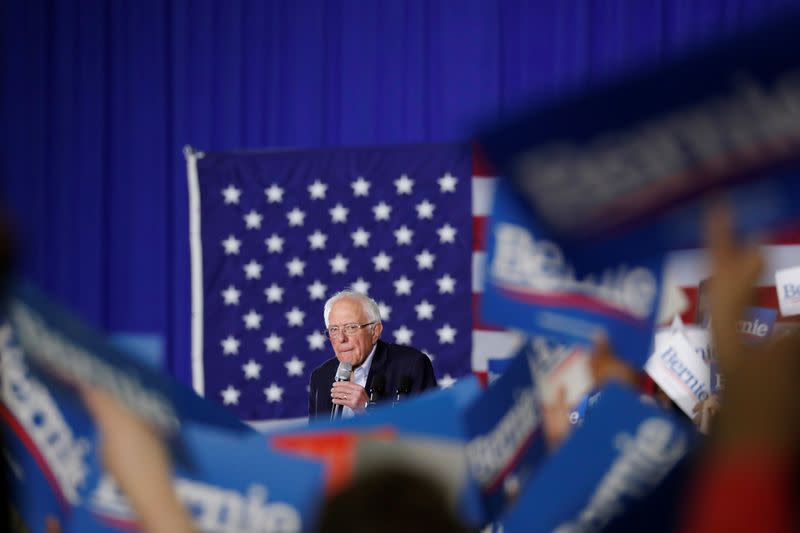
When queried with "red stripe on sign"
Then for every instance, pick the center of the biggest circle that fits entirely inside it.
(571, 300)
(764, 297)
(480, 164)
(786, 235)
(483, 377)
(479, 233)
(27, 441)
(476, 316)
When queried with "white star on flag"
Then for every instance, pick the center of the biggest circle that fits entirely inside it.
(230, 345)
(382, 262)
(425, 260)
(274, 194)
(424, 310)
(274, 243)
(231, 245)
(295, 267)
(447, 183)
(252, 370)
(360, 187)
(402, 335)
(446, 284)
(447, 233)
(382, 211)
(338, 213)
(385, 310)
(446, 334)
(446, 382)
(402, 285)
(361, 285)
(273, 393)
(404, 184)
(316, 291)
(294, 366)
(317, 240)
(253, 219)
(296, 217)
(425, 209)
(252, 320)
(403, 235)
(339, 264)
(231, 295)
(231, 194)
(295, 317)
(317, 190)
(230, 395)
(360, 237)
(274, 293)
(252, 270)
(273, 343)
(316, 341)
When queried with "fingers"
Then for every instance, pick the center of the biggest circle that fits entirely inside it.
(735, 269)
(349, 394)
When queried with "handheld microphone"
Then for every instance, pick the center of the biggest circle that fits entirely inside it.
(342, 374)
(376, 391)
(402, 390)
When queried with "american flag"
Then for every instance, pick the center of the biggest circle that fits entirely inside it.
(275, 233)
(249, 197)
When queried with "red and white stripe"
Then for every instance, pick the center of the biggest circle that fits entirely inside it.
(488, 341)
(685, 269)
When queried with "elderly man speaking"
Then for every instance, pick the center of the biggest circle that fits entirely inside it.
(380, 371)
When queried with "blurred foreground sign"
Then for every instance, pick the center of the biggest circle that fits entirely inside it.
(625, 170)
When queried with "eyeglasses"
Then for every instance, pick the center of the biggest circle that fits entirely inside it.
(348, 329)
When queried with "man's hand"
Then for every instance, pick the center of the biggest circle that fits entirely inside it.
(350, 394)
(555, 419)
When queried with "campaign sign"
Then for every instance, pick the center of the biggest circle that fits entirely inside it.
(560, 366)
(756, 326)
(529, 285)
(496, 367)
(232, 484)
(787, 283)
(61, 349)
(620, 454)
(680, 371)
(625, 169)
(506, 440)
(424, 433)
(583, 407)
(46, 443)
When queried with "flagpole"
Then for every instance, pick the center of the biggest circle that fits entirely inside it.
(196, 248)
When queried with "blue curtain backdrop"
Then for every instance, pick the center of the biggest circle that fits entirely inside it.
(98, 98)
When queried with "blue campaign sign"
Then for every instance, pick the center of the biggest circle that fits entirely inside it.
(425, 433)
(234, 483)
(506, 441)
(757, 323)
(496, 367)
(530, 285)
(618, 456)
(64, 350)
(46, 442)
(625, 169)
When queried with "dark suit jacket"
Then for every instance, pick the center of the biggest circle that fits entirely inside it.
(394, 361)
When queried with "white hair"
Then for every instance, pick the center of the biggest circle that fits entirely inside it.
(369, 305)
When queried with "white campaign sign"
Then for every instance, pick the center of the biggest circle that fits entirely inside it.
(679, 369)
(787, 283)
